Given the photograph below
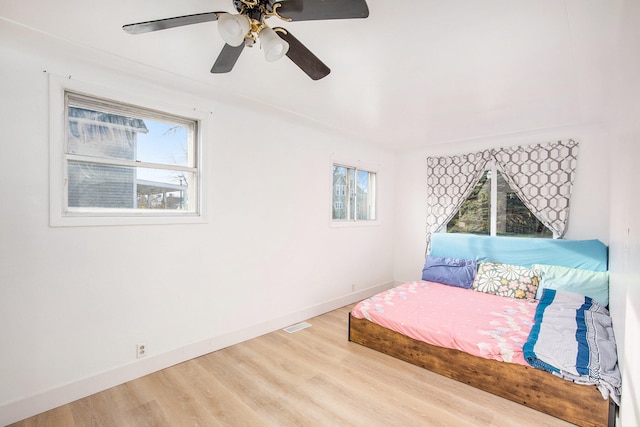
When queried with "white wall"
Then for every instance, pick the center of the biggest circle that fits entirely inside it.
(624, 264)
(74, 301)
(625, 207)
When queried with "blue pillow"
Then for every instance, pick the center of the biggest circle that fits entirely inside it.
(594, 284)
(449, 271)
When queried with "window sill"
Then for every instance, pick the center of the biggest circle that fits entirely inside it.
(346, 223)
(97, 221)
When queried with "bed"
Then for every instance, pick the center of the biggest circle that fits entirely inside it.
(495, 339)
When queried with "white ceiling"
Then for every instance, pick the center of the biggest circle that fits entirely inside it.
(413, 73)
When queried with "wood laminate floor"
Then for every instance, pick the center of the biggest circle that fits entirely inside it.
(313, 377)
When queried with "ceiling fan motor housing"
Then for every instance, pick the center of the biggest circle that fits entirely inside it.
(263, 6)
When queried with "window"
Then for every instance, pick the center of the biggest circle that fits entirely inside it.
(354, 194)
(493, 208)
(117, 160)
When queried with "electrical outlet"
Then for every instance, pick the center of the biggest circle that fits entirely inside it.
(353, 287)
(141, 350)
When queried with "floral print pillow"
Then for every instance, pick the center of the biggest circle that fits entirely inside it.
(506, 280)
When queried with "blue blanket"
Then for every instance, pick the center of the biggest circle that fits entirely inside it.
(573, 338)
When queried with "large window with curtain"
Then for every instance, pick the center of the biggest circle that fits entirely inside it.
(494, 208)
(538, 177)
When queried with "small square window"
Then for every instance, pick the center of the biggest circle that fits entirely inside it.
(354, 195)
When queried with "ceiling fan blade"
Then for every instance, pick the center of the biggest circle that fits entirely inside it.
(163, 24)
(302, 57)
(309, 10)
(227, 58)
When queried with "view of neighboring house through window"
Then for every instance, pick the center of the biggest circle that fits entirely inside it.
(493, 208)
(121, 158)
(354, 194)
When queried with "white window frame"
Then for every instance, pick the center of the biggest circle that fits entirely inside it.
(357, 166)
(493, 202)
(59, 214)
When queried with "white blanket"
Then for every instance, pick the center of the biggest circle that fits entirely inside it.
(573, 338)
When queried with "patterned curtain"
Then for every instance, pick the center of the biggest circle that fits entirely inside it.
(542, 176)
(450, 180)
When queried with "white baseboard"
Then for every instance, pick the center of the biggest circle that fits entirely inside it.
(36, 404)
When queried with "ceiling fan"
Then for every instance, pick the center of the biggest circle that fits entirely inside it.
(249, 25)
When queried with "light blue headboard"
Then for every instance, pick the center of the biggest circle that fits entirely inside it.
(583, 254)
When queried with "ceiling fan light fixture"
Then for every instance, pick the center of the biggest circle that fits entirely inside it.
(274, 47)
(233, 28)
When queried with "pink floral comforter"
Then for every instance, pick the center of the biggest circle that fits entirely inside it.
(485, 325)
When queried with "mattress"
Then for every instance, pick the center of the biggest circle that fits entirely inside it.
(481, 324)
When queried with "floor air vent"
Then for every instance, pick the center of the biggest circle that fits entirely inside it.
(297, 327)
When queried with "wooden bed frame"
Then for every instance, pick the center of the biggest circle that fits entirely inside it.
(578, 404)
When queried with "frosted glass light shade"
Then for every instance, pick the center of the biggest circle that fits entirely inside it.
(274, 47)
(233, 28)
